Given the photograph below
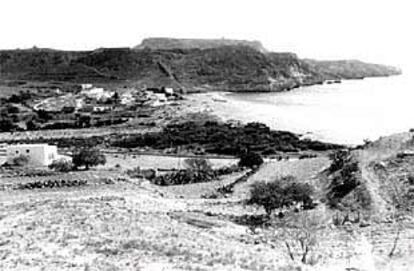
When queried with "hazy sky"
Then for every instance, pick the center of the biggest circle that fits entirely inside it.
(371, 30)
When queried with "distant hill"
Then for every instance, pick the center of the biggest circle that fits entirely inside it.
(241, 66)
(170, 43)
(350, 69)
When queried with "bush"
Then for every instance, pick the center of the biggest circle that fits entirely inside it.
(250, 159)
(20, 161)
(184, 177)
(283, 192)
(339, 159)
(88, 158)
(61, 165)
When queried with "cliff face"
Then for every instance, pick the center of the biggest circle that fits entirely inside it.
(212, 67)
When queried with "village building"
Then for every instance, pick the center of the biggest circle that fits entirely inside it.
(127, 98)
(97, 93)
(86, 86)
(39, 155)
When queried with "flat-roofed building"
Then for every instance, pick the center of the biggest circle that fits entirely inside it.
(39, 155)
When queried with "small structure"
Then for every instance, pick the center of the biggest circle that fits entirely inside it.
(39, 155)
(86, 86)
(127, 98)
(97, 93)
(169, 91)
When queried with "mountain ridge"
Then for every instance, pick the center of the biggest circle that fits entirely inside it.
(237, 67)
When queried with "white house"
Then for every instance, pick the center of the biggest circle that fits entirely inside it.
(169, 91)
(86, 86)
(39, 154)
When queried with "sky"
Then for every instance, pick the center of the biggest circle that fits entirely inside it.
(377, 31)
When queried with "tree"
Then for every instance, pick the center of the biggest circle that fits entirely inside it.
(88, 158)
(61, 165)
(250, 159)
(198, 165)
(300, 232)
(282, 192)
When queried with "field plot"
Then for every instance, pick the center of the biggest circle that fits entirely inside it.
(304, 170)
(129, 161)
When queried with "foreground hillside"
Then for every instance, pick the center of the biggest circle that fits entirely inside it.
(116, 222)
(190, 65)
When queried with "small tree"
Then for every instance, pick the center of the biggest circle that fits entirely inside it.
(250, 159)
(282, 192)
(61, 165)
(88, 158)
(300, 233)
(198, 165)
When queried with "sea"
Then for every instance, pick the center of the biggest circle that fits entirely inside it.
(346, 113)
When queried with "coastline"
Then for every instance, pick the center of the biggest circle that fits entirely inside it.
(348, 113)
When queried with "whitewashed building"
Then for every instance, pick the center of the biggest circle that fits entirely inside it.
(39, 154)
(86, 86)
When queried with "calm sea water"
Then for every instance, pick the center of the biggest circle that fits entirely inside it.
(345, 113)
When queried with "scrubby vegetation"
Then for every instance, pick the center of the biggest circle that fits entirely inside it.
(50, 184)
(61, 165)
(345, 178)
(223, 138)
(282, 192)
(197, 171)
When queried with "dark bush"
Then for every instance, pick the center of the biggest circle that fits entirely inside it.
(61, 165)
(250, 159)
(222, 138)
(345, 178)
(339, 159)
(88, 157)
(20, 161)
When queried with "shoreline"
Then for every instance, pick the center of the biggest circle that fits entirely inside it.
(293, 113)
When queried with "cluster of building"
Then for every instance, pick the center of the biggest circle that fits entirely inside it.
(98, 100)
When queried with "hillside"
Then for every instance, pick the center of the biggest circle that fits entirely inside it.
(376, 179)
(350, 69)
(195, 66)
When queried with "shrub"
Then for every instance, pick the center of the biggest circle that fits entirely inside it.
(283, 192)
(88, 158)
(20, 161)
(339, 159)
(61, 165)
(250, 159)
